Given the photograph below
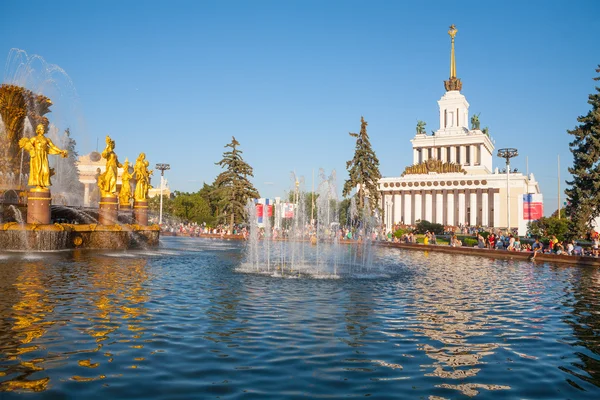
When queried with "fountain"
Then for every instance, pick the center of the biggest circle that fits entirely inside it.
(299, 246)
(21, 109)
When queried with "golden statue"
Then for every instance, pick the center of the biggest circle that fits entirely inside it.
(142, 175)
(39, 147)
(108, 180)
(125, 192)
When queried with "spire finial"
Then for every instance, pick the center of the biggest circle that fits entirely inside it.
(452, 32)
(453, 83)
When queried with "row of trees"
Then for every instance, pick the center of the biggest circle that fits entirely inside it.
(227, 196)
(224, 201)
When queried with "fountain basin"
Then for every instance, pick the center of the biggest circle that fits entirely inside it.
(33, 237)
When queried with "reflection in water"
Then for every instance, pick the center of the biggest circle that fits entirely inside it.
(115, 296)
(585, 322)
(454, 310)
(181, 322)
(31, 316)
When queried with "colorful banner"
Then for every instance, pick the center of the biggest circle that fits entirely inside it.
(288, 210)
(533, 207)
(259, 213)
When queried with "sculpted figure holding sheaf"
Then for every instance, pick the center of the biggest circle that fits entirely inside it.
(142, 175)
(108, 180)
(125, 192)
(39, 147)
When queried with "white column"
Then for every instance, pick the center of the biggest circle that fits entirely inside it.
(407, 205)
(461, 209)
(450, 208)
(442, 119)
(497, 222)
(397, 212)
(418, 212)
(473, 155)
(452, 154)
(485, 209)
(428, 207)
(415, 156)
(463, 154)
(474, 209)
(443, 156)
(439, 208)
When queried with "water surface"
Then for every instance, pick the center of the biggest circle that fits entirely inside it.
(182, 321)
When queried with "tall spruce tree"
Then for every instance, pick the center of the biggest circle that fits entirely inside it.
(232, 186)
(584, 192)
(363, 170)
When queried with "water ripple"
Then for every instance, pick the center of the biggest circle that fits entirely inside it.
(182, 321)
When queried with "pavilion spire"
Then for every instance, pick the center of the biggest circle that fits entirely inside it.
(453, 83)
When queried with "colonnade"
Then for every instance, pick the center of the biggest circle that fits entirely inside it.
(466, 155)
(453, 207)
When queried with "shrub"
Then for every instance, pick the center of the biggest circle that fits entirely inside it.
(469, 242)
(399, 233)
(424, 226)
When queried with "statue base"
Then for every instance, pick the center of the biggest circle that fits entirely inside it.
(140, 212)
(107, 215)
(38, 206)
(125, 207)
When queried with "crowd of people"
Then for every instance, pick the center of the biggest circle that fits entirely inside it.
(485, 239)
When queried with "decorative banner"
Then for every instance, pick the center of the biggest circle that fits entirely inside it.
(533, 207)
(288, 210)
(259, 213)
(269, 204)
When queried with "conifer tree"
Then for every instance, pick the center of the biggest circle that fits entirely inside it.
(584, 192)
(232, 186)
(363, 170)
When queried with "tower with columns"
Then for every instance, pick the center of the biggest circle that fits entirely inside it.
(451, 180)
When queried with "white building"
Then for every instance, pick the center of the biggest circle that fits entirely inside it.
(452, 181)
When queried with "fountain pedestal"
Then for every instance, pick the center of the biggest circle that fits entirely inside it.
(140, 212)
(107, 214)
(38, 206)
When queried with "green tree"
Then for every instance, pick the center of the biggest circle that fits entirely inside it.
(192, 207)
(584, 192)
(232, 186)
(208, 193)
(363, 170)
(548, 226)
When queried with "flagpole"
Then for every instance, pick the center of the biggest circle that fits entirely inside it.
(312, 201)
(558, 185)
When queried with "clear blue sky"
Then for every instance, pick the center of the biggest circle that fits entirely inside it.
(290, 79)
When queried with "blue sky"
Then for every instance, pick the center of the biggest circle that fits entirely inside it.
(290, 79)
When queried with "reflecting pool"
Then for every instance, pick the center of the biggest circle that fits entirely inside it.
(185, 321)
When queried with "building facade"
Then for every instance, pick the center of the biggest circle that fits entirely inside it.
(452, 180)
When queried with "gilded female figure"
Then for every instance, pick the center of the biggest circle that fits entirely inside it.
(108, 180)
(39, 147)
(142, 175)
(125, 192)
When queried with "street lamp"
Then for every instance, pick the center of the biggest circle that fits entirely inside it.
(508, 153)
(162, 168)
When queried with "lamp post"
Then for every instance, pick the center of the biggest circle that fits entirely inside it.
(508, 153)
(162, 168)
(388, 215)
